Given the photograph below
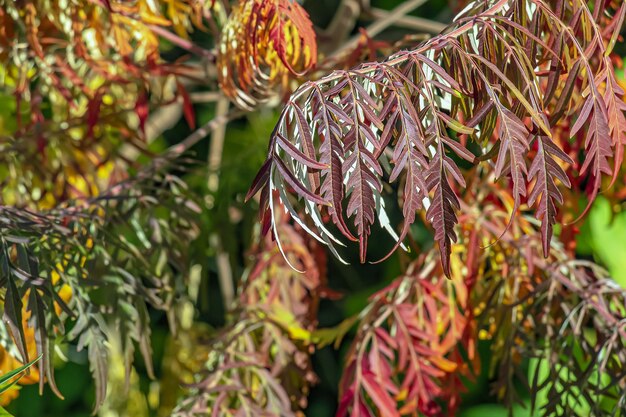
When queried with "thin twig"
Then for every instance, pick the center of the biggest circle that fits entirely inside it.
(175, 151)
(167, 116)
(217, 145)
(379, 26)
(224, 270)
(182, 43)
(205, 96)
(162, 119)
(339, 28)
(411, 22)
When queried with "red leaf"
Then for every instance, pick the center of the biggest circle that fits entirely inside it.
(142, 110)
(93, 112)
(188, 111)
(381, 398)
(545, 192)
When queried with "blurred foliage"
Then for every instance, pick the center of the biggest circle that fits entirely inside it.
(602, 237)
(121, 247)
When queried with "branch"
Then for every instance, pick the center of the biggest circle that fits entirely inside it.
(177, 150)
(224, 270)
(379, 26)
(411, 22)
(183, 43)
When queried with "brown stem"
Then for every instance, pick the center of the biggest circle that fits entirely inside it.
(224, 270)
(411, 22)
(175, 151)
(379, 26)
(182, 43)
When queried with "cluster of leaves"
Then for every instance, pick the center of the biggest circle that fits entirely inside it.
(565, 315)
(97, 252)
(415, 350)
(518, 89)
(77, 81)
(416, 347)
(494, 87)
(260, 364)
(413, 347)
(263, 44)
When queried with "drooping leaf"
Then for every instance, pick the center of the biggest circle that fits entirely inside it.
(616, 107)
(420, 107)
(545, 194)
(408, 347)
(514, 143)
(263, 43)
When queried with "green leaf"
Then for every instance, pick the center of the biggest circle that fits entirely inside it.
(13, 313)
(603, 237)
(576, 403)
(4, 379)
(5, 413)
(326, 336)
